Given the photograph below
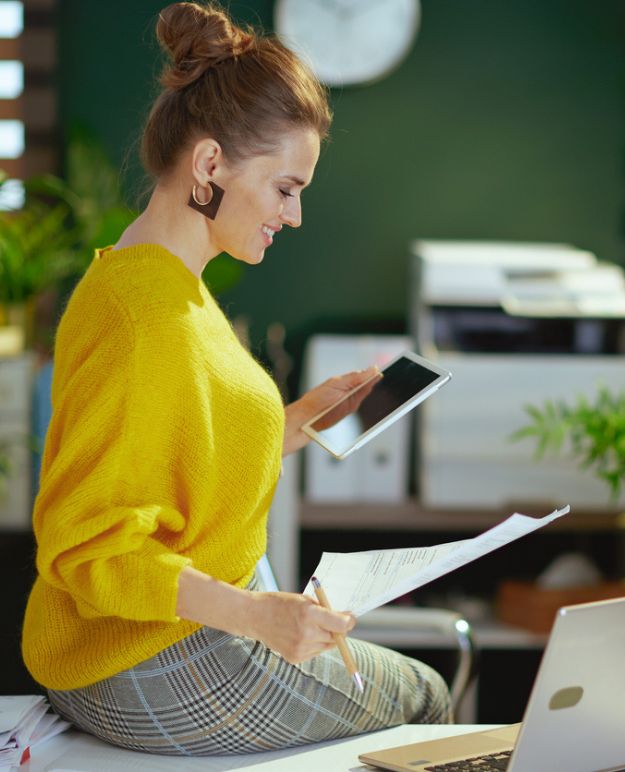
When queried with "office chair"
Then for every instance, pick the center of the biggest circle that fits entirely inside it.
(414, 628)
(403, 627)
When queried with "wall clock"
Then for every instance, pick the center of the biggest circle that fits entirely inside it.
(349, 41)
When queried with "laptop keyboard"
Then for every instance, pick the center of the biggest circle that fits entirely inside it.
(492, 762)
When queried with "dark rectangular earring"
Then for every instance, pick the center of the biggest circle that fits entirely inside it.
(210, 207)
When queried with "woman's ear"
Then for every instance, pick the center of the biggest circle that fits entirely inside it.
(207, 157)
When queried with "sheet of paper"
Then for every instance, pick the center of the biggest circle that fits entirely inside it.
(25, 723)
(14, 710)
(361, 581)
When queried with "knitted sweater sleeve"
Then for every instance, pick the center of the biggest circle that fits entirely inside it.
(106, 532)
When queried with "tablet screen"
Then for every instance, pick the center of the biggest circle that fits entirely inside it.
(401, 381)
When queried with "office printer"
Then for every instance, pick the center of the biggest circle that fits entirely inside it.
(517, 324)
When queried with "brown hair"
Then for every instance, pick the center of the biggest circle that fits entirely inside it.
(241, 88)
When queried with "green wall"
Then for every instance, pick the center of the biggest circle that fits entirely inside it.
(507, 121)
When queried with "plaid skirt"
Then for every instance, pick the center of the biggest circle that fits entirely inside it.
(212, 693)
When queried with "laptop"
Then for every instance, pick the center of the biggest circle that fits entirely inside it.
(575, 717)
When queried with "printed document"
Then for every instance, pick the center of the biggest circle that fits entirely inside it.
(361, 581)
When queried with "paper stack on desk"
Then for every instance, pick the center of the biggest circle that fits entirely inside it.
(25, 723)
(361, 581)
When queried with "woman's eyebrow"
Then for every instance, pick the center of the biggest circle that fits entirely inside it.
(295, 180)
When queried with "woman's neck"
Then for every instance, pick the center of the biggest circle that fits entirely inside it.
(173, 225)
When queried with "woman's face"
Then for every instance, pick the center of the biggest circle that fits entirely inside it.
(262, 194)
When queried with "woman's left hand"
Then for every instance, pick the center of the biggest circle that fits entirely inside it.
(318, 399)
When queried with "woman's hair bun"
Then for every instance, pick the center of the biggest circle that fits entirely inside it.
(197, 37)
(242, 89)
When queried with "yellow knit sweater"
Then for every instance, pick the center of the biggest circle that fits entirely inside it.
(163, 451)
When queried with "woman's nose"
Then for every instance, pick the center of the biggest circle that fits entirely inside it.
(292, 212)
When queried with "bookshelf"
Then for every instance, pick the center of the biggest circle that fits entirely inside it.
(411, 516)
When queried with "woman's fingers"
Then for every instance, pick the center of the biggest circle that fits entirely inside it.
(335, 621)
(356, 377)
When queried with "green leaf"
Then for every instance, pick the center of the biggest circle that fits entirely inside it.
(592, 432)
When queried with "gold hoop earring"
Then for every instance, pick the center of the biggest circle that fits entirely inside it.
(209, 207)
(209, 195)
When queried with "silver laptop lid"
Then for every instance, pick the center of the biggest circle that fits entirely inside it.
(575, 718)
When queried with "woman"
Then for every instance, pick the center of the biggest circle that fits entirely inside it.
(166, 441)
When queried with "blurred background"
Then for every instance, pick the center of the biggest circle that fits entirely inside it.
(503, 123)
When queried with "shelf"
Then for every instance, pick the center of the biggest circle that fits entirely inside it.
(486, 635)
(410, 516)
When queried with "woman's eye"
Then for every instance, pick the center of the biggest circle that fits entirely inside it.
(285, 193)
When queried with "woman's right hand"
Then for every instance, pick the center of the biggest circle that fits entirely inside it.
(294, 625)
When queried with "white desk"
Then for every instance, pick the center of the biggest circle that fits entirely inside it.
(77, 752)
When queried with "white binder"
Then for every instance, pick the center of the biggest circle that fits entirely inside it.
(378, 471)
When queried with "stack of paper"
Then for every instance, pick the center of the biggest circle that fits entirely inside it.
(25, 723)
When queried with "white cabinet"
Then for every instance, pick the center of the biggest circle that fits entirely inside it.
(467, 458)
(16, 375)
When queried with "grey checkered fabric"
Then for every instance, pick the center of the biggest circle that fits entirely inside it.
(213, 693)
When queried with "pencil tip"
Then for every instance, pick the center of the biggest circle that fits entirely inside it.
(315, 581)
(358, 679)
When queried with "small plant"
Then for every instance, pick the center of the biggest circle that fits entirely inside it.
(89, 194)
(51, 238)
(5, 467)
(592, 432)
(35, 249)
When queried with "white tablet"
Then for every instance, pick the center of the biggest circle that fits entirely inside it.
(368, 409)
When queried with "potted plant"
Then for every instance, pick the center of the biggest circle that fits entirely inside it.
(592, 431)
(35, 252)
(90, 194)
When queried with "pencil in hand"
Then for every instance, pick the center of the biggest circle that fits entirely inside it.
(341, 641)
